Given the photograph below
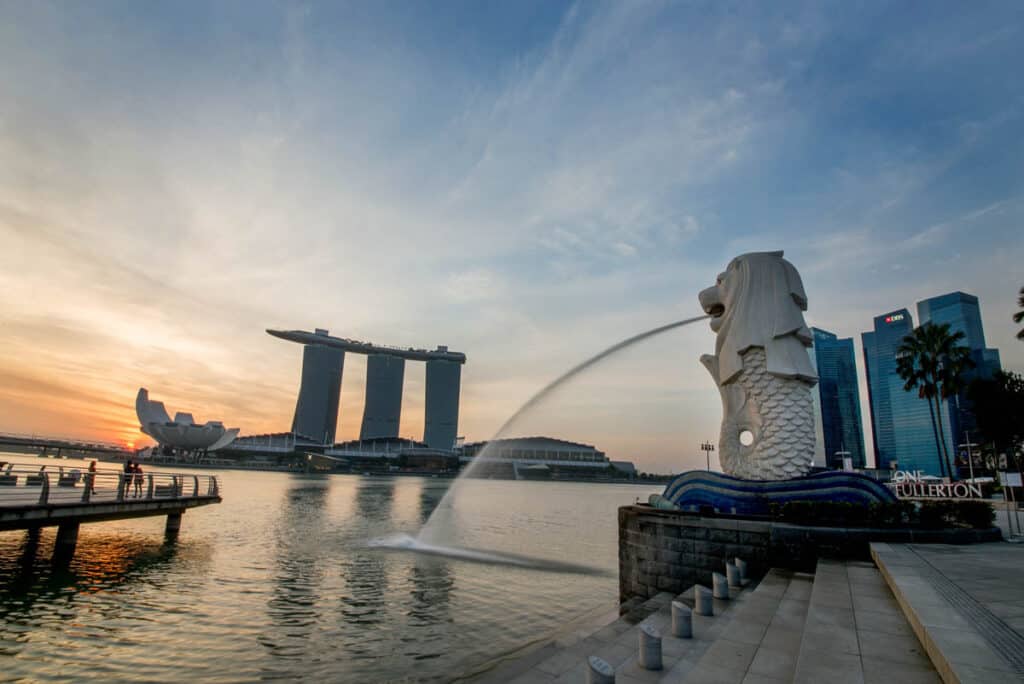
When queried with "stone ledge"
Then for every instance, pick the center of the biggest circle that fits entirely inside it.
(661, 550)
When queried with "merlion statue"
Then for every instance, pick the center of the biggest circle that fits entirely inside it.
(762, 368)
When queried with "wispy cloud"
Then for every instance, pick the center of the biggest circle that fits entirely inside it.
(528, 197)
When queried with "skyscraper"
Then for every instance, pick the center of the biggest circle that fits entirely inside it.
(441, 413)
(382, 411)
(963, 314)
(901, 421)
(316, 411)
(841, 426)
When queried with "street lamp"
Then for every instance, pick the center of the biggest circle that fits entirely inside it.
(843, 454)
(707, 448)
(970, 456)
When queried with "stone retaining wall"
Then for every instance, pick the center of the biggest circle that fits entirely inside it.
(671, 551)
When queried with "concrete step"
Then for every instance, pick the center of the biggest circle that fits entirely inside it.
(854, 631)
(762, 637)
(964, 603)
(839, 625)
(617, 644)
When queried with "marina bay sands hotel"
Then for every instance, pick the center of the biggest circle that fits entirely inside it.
(323, 358)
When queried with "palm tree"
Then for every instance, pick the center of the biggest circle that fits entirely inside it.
(932, 361)
(1019, 316)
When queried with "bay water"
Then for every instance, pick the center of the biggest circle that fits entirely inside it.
(277, 583)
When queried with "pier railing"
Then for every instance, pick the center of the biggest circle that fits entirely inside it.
(27, 484)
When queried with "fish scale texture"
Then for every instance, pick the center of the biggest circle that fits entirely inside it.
(780, 413)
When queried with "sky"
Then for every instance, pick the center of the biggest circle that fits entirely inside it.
(526, 182)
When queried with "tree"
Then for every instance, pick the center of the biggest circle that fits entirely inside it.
(1019, 316)
(932, 361)
(999, 409)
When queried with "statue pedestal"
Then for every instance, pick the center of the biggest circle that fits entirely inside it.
(701, 490)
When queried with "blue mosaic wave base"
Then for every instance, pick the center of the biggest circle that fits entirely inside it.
(732, 495)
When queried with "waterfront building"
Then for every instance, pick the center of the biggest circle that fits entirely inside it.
(962, 312)
(316, 409)
(540, 458)
(278, 444)
(316, 413)
(842, 430)
(182, 433)
(901, 421)
(391, 455)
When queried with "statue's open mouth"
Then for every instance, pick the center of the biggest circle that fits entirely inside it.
(715, 310)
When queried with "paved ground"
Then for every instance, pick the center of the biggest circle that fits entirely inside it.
(965, 603)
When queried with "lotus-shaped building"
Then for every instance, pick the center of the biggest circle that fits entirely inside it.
(182, 432)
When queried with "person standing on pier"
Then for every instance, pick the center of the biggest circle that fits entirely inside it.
(92, 477)
(138, 480)
(129, 476)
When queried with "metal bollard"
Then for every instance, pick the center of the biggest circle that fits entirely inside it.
(741, 565)
(599, 672)
(732, 573)
(720, 585)
(702, 603)
(682, 620)
(649, 656)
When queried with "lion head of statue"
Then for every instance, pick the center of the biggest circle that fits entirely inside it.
(759, 302)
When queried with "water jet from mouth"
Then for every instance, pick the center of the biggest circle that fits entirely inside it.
(430, 538)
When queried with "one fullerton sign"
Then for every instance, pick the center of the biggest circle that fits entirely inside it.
(910, 484)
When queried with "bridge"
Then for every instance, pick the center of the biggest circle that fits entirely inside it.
(55, 445)
(34, 496)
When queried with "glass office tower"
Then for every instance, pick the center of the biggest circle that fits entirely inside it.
(901, 421)
(841, 426)
(963, 313)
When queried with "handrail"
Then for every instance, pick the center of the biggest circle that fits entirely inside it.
(29, 484)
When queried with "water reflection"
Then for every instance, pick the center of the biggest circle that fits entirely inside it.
(432, 584)
(103, 563)
(365, 573)
(430, 496)
(293, 607)
(431, 578)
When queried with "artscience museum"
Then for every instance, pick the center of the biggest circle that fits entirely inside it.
(182, 432)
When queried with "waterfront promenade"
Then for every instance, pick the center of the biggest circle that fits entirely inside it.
(965, 604)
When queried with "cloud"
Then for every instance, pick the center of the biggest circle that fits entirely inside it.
(528, 200)
(624, 248)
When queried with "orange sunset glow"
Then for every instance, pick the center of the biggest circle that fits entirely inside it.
(158, 213)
